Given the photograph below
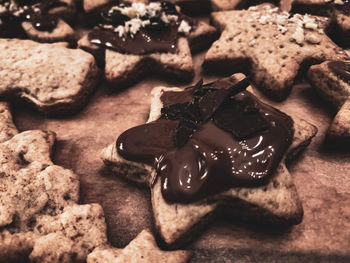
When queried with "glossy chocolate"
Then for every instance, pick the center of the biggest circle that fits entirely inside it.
(36, 12)
(143, 42)
(213, 160)
(341, 69)
(154, 36)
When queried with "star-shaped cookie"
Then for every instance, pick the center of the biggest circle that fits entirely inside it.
(335, 90)
(125, 68)
(39, 214)
(270, 44)
(276, 201)
(52, 77)
(142, 249)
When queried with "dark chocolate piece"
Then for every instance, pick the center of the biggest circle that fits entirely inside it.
(202, 107)
(341, 69)
(212, 160)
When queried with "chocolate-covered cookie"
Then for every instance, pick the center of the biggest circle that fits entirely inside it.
(217, 164)
(135, 39)
(43, 21)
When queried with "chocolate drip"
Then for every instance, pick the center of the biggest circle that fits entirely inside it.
(36, 12)
(213, 159)
(341, 69)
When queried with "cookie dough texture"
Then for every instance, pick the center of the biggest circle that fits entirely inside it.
(52, 77)
(127, 68)
(335, 91)
(39, 214)
(142, 249)
(219, 5)
(62, 32)
(277, 202)
(271, 45)
(339, 28)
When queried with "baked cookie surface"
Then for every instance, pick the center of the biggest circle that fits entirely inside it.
(271, 45)
(332, 80)
(142, 249)
(52, 77)
(40, 217)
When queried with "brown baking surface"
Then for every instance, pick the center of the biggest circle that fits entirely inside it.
(322, 178)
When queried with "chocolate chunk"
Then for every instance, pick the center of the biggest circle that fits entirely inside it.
(169, 8)
(239, 119)
(204, 104)
(183, 132)
(114, 17)
(156, 23)
(209, 103)
(174, 111)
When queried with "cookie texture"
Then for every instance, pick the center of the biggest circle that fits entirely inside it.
(52, 77)
(277, 202)
(219, 5)
(335, 91)
(271, 45)
(337, 10)
(39, 214)
(142, 249)
(62, 32)
(123, 69)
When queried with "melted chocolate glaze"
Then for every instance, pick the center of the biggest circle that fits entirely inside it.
(144, 41)
(160, 37)
(36, 12)
(341, 69)
(212, 160)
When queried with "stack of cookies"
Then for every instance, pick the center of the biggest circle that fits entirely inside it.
(174, 131)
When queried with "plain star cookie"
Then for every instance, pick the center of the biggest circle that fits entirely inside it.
(39, 215)
(332, 81)
(270, 44)
(138, 39)
(52, 77)
(43, 21)
(178, 213)
(142, 249)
